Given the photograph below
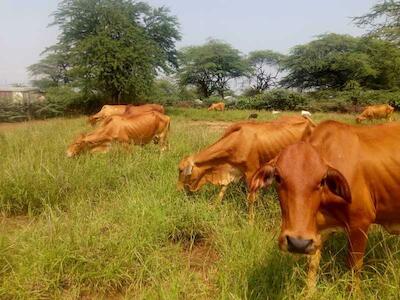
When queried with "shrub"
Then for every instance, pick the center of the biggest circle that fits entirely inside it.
(279, 99)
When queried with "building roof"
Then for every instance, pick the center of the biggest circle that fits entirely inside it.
(19, 89)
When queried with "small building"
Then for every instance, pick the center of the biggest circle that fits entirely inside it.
(21, 94)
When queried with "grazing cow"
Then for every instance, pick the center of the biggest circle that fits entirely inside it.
(341, 176)
(253, 116)
(112, 110)
(242, 149)
(382, 111)
(275, 112)
(125, 129)
(133, 110)
(305, 113)
(106, 111)
(217, 106)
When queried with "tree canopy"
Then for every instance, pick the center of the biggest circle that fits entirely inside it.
(51, 70)
(383, 20)
(264, 67)
(332, 60)
(209, 67)
(115, 46)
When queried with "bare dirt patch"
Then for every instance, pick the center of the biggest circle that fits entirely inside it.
(201, 258)
(9, 225)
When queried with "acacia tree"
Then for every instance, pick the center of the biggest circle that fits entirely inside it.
(264, 68)
(210, 67)
(332, 60)
(116, 46)
(383, 20)
(51, 70)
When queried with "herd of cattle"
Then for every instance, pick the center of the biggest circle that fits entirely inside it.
(331, 176)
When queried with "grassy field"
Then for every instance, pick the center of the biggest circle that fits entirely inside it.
(114, 226)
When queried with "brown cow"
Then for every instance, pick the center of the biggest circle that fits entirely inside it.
(217, 106)
(341, 176)
(140, 109)
(112, 110)
(126, 129)
(243, 148)
(382, 111)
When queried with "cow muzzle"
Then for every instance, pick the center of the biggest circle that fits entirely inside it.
(299, 245)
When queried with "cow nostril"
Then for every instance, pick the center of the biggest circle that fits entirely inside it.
(298, 245)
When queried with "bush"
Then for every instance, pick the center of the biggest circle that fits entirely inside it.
(279, 99)
(351, 100)
(59, 101)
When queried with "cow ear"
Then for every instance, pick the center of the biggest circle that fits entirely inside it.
(262, 178)
(337, 184)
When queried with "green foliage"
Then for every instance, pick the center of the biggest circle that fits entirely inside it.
(59, 101)
(264, 68)
(115, 226)
(350, 100)
(210, 67)
(332, 60)
(52, 70)
(383, 20)
(277, 99)
(166, 91)
(113, 47)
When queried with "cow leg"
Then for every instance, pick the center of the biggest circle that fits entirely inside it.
(221, 194)
(164, 143)
(357, 243)
(251, 198)
(313, 266)
(358, 239)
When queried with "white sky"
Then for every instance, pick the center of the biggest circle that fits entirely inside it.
(247, 25)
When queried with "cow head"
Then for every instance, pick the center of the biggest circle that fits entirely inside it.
(359, 119)
(305, 184)
(192, 175)
(76, 147)
(189, 175)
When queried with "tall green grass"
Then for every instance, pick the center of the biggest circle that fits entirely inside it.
(114, 226)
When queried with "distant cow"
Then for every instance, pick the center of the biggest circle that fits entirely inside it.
(111, 110)
(382, 111)
(340, 176)
(138, 130)
(305, 113)
(275, 112)
(217, 106)
(242, 149)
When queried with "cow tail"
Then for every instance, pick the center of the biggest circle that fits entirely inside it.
(310, 120)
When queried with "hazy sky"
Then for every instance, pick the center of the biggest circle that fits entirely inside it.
(247, 25)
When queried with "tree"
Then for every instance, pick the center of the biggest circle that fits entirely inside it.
(116, 46)
(264, 68)
(383, 20)
(332, 60)
(52, 70)
(210, 67)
